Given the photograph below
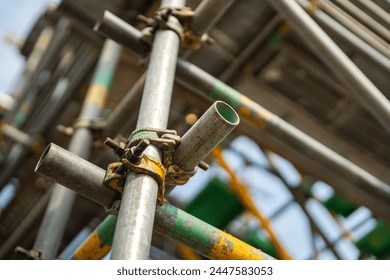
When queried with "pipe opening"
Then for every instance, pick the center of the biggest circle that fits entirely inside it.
(227, 112)
(42, 158)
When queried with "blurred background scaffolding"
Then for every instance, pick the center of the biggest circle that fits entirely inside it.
(272, 185)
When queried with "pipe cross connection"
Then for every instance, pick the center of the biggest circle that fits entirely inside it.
(179, 21)
(181, 156)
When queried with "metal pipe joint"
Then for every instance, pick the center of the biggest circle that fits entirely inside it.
(214, 125)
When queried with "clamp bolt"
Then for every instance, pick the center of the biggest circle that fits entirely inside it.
(134, 155)
(115, 146)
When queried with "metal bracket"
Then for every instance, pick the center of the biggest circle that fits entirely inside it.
(164, 139)
(115, 176)
(152, 167)
(163, 20)
(132, 159)
(177, 176)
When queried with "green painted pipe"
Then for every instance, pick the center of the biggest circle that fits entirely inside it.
(99, 242)
(179, 226)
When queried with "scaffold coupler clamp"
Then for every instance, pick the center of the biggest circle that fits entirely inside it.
(176, 19)
(132, 159)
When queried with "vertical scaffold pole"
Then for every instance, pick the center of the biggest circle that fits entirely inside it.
(61, 201)
(133, 231)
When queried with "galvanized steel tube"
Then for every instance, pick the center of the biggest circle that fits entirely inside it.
(312, 166)
(62, 200)
(214, 125)
(122, 32)
(366, 19)
(170, 221)
(348, 36)
(365, 92)
(180, 227)
(262, 118)
(84, 177)
(25, 227)
(62, 91)
(35, 56)
(201, 237)
(30, 88)
(133, 232)
(376, 9)
(355, 26)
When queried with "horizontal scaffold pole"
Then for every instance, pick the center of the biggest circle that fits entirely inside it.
(257, 115)
(169, 220)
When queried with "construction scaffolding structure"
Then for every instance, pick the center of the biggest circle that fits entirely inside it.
(214, 129)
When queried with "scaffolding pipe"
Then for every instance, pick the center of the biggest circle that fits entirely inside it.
(170, 221)
(207, 14)
(355, 26)
(347, 35)
(365, 92)
(133, 232)
(377, 10)
(209, 131)
(122, 32)
(36, 55)
(249, 110)
(99, 242)
(61, 93)
(28, 92)
(214, 125)
(206, 240)
(63, 90)
(62, 200)
(265, 31)
(58, 163)
(365, 18)
(259, 116)
(26, 226)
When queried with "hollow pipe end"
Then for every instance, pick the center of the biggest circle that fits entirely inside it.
(42, 158)
(226, 112)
